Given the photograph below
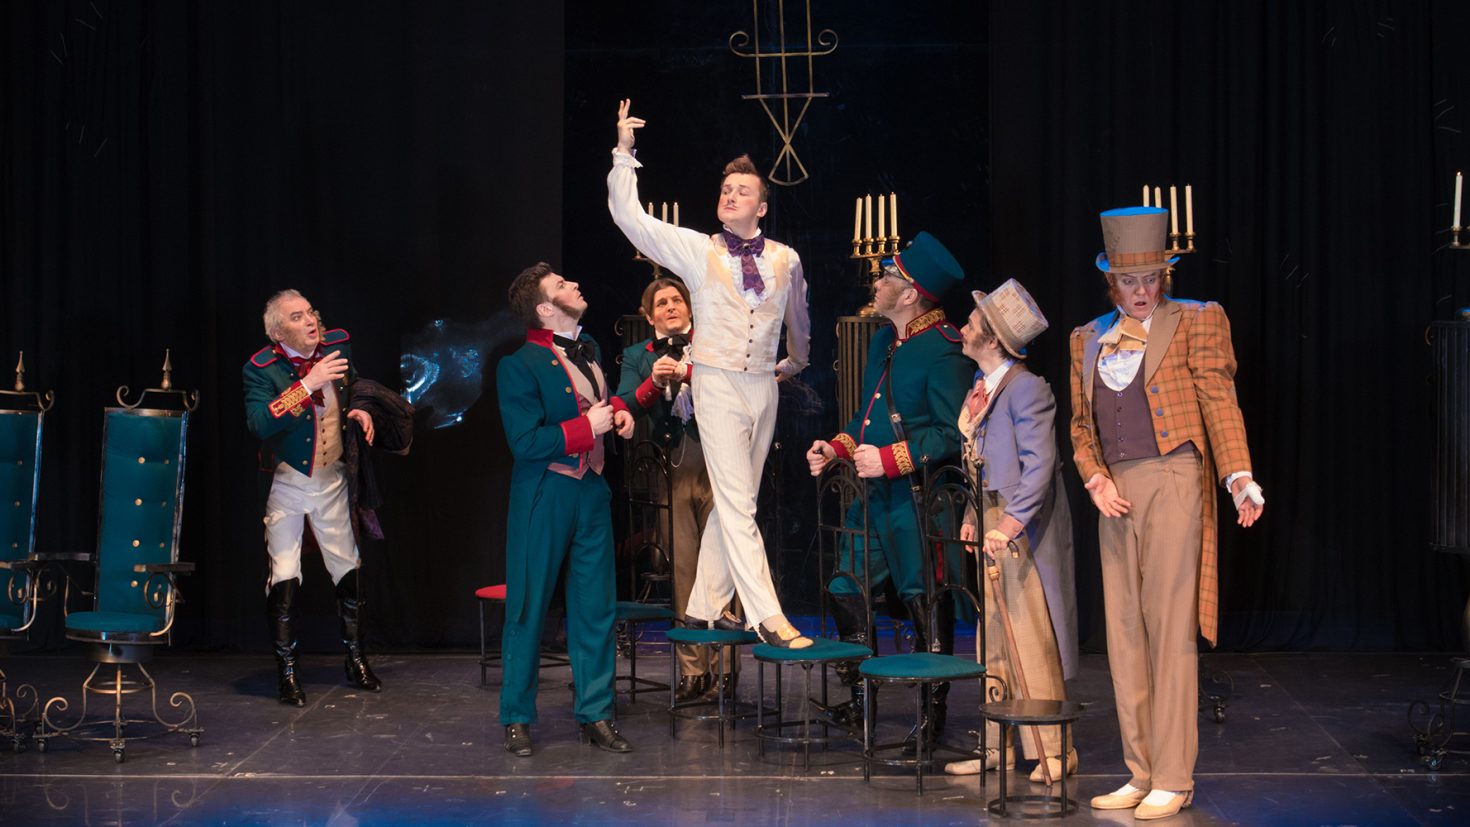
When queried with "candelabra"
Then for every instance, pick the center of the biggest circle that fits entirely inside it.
(1174, 234)
(870, 248)
(658, 271)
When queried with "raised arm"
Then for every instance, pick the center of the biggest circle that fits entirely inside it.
(680, 250)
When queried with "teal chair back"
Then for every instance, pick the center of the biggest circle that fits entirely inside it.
(20, 473)
(142, 503)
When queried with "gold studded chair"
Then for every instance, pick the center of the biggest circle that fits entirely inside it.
(22, 414)
(136, 595)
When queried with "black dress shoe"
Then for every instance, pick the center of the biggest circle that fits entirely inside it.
(692, 622)
(728, 622)
(691, 687)
(605, 736)
(722, 684)
(518, 740)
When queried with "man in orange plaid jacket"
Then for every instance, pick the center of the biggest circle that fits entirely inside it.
(1155, 426)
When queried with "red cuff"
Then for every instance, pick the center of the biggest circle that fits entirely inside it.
(618, 404)
(843, 446)
(577, 434)
(647, 393)
(689, 372)
(896, 460)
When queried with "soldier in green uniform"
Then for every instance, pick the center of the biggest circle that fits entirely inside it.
(296, 394)
(915, 365)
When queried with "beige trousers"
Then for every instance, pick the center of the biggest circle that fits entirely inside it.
(1150, 570)
(1036, 642)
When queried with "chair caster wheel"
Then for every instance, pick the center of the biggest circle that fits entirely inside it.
(40, 746)
(1434, 762)
(119, 756)
(193, 739)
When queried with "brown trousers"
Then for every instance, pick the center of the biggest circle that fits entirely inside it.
(1036, 642)
(692, 503)
(1150, 570)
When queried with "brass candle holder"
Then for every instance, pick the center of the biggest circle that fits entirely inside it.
(658, 271)
(871, 245)
(1455, 243)
(1188, 235)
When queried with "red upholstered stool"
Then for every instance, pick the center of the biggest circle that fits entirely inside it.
(496, 595)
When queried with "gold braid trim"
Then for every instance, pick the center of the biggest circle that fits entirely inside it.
(290, 401)
(924, 322)
(902, 458)
(846, 442)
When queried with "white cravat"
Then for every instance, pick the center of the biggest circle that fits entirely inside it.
(1119, 369)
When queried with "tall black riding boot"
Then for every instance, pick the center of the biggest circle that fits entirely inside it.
(918, 607)
(278, 602)
(349, 605)
(851, 614)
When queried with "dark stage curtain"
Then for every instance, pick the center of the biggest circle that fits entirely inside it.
(164, 167)
(1321, 139)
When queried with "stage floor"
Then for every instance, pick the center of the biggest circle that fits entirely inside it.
(1308, 739)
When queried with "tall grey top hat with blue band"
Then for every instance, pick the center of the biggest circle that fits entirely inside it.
(1135, 239)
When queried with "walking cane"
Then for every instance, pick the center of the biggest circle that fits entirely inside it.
(992, 571)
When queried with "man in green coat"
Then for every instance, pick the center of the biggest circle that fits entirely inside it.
(556, 407)
(296, 393)
(917, 368)
(655, 384)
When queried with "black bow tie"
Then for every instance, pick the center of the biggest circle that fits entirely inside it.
(670, 345)
(580, 354)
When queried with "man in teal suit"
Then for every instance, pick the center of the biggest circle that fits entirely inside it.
(917, 368)
(296, 394)
(556, 407)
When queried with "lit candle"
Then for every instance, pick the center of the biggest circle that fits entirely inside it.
(650, 208)
(676, 213)
(1189, 209)
(1145, 195)
(1158, 197)
(665, 217)
(1459, 186)
(1173, 209)
(867, 216)
(882, 217)
(893, 211)
(857, 220)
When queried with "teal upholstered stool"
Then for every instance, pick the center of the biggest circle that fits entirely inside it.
(723, 706)
(823, 652)
(631, 617)
(22, 414)
(137, 564)
(1025, 712)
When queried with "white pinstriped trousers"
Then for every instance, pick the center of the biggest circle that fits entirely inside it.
(737, 418)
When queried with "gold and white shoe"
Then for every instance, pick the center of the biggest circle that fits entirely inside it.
(1162, 804)
(1055, 765)
(972, 766)
(1125, 797)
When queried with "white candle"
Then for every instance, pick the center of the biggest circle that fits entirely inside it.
(857, 220)
(893, 210)
(1173, 209)
(1189, 209)
(1459, 185)
(676, 213)
(665, 217)
(882, 217)
(650, 208)
(867, 216)
(1158, 197)
(1145, 195)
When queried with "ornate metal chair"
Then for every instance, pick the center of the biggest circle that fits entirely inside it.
(22, 414)
(945, 494)
(137, 564)
(838, 490)
(650, 540)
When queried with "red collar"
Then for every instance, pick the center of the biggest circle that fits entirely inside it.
(539, 336)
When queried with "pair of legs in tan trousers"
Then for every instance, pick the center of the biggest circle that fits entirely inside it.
(1150, 569)
(1036, 641)
(691, 506)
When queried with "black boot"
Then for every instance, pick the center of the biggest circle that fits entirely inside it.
(939, 694)
(851, 614)
(278, 604)
(349, 606)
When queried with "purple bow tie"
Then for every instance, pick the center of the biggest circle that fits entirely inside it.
(747, 250)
